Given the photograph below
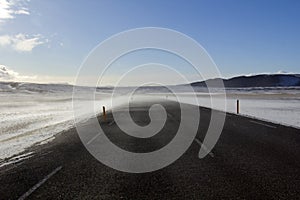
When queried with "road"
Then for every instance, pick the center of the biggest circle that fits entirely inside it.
(252, 160)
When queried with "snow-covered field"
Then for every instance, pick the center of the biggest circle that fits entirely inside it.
(27, 118)
(282, 110)
(33, 114)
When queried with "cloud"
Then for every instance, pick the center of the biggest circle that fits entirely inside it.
(10, 8)
(21, 42)
(7, 74)
(22, 12)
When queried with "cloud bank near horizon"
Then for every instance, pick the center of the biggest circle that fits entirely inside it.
(7, 74)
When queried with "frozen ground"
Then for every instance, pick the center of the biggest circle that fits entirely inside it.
(33, 114)
(284, 110)
(279, 105)
(26, 119)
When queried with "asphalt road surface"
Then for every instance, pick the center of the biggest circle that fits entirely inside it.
(252, 160)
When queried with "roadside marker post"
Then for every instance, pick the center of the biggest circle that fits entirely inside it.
(237, 106)
(104, 113)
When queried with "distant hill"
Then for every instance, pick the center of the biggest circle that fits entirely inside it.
(263, 80)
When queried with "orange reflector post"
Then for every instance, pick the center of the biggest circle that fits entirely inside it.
(104, 113)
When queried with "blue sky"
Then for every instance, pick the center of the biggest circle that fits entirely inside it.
(48, 40)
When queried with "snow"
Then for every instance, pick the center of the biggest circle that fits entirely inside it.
(278, 106)
(26, 119)
(16, 159)
(34, 113)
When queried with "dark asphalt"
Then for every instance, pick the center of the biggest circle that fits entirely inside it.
(252, 160)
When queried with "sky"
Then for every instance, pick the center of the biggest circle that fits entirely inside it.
(47, 41)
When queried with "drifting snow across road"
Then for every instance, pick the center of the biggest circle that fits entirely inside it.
(33, 113)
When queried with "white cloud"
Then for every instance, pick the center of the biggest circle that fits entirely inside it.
(5, 10)
(7, 74)
(22, 12)
(21, 42)
(10, 8)
(4, 40)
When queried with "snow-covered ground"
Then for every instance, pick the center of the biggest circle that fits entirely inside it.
(33, 113)
(282, 110)
(26, 119)
(279, 105)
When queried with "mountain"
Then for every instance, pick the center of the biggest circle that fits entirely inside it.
(262, 80)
